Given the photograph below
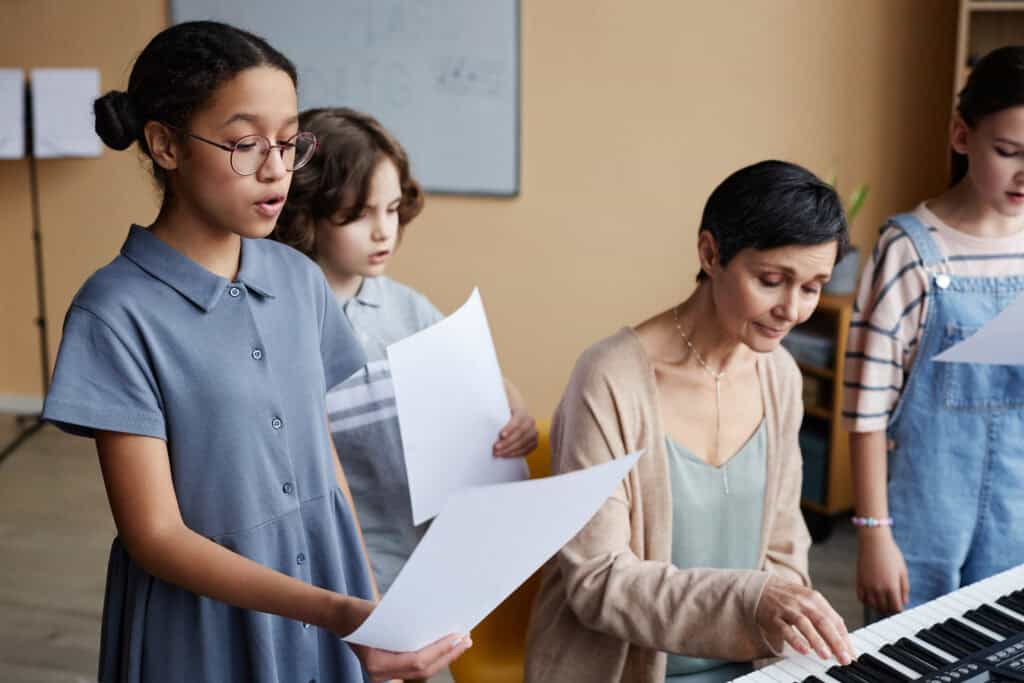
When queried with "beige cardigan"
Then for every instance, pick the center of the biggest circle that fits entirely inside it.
(611, 602)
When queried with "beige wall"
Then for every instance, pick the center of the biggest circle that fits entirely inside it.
(86, 204)
(631, 113)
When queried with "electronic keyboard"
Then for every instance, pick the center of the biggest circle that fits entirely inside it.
(972, 635)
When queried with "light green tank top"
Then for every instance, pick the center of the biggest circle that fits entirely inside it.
(716, 522)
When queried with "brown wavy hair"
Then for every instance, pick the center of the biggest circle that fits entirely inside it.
(337, 179)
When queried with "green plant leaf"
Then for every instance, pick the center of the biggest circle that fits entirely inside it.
(856, 202)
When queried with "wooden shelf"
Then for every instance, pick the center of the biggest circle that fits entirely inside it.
(996, 6)
(830, 491)
(818, 412)
(835, 302)
(815, 371)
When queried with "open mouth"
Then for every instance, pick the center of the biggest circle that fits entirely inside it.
(270, 206)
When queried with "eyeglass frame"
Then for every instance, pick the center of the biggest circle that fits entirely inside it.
(270, 147)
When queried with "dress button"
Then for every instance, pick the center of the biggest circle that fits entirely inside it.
(234, 291)
(288, 487)
(300, 558)
(305, 625)
(257, 354)
(276, 423)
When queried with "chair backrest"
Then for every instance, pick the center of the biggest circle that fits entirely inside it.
(499, 642)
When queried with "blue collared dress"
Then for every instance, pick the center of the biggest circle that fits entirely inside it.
(232, 375)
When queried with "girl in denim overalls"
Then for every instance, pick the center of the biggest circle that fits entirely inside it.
(943, 509)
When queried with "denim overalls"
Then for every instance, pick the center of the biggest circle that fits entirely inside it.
(956, 457)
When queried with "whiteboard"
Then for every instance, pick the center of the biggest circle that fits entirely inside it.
(442, 75)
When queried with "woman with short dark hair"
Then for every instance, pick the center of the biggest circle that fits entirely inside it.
(698, 563)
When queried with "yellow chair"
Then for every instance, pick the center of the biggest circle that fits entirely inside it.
(499, 642)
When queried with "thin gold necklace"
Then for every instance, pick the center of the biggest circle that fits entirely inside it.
(717, 376)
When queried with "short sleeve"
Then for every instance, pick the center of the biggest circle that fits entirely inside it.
(426, 312)
(101, 382)
(341, 352)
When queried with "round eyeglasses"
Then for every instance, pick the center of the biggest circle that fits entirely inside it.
(248, 154)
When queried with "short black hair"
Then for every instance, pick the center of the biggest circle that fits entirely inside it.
(176, 75)
(996, 83)
(773, 204)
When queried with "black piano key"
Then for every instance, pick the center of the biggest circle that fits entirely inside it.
(941, 629)
(881, 667)
(1015, 600)
(1013, 607)
(846, 675)
(868, 673)
(992, 625)
(922, 653)
(999, 615)
(893, 651)
(812, 679)
(930, 636)
(980, 640)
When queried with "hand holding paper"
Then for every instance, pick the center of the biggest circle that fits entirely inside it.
(451, 405)
(486, 541)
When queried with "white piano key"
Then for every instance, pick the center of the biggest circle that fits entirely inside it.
(778, 675)
(755, 677)
(795, 671)
(815, 666)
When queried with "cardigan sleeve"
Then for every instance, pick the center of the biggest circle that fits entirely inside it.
(610, 589)
(788, 539)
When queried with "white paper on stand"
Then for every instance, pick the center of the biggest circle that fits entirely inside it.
(484, 544)
(451, 404)
(63, 124)
(12, 114)
(998, 342)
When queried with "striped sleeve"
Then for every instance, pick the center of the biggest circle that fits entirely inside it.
(887, 323)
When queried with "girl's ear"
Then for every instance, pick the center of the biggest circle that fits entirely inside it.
(163, 146)
(707, 252)
(958, 133)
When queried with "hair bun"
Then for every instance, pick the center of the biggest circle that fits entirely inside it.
(115, 120)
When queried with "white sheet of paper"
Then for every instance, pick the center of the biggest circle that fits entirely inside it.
(63, 124)
(484, 544)
(998, 342)
(12, 114)
(451, 404)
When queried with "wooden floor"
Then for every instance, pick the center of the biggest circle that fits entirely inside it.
(55, 533)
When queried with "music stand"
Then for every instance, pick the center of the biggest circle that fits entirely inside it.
(54, 79)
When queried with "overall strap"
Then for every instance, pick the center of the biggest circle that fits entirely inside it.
(921, 238)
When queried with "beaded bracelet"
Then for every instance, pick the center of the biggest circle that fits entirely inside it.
(871, 521)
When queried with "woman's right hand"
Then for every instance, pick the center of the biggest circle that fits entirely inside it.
(384, 665)
(348, 613)
(791, 613)
(882, 581)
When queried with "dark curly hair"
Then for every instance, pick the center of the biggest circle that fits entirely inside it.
(996, 83)
(337, 180)
(773, 204)
(175, 76)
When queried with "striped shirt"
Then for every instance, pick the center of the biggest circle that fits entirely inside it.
(364, 422)
(891, 307)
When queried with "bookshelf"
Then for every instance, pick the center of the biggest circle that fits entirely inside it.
(827, 489)
(984, 25)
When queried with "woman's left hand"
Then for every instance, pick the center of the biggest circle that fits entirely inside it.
(519, 437)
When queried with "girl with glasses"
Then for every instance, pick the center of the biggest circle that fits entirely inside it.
(347, 211)
(199, 361)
